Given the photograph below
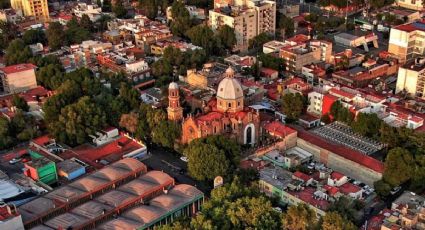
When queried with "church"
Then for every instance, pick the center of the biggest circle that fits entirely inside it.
(226, 115)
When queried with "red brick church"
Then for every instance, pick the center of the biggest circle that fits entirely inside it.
(227, 115)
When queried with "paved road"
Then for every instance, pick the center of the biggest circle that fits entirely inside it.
(169, 163)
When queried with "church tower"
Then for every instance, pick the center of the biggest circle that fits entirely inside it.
(174, 110)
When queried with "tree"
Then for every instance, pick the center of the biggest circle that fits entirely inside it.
(77, 121)
(226, 36)
(129, 122)
(75, 33)
(33, 36)
(107, 6)
(287, 25)
(17, 52)
(8, 33)
(102, 22)
(149, 7)
(206, 161)
(181, 19)
(203, 36)
(259, 40)
(272, 62)
(383, 189)
(333, 221)
(299, 217)
(4, 4)
(50, 76)
(20, 103)
(162, 67)
(55, 35)
(166, 133)
(86, 23)
(398, 166)
(119, 10)
(340, 113)
(367, 124)
(292, 106)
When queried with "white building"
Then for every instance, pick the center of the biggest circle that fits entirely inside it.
(93, 11)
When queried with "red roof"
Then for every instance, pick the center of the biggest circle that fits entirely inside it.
(412, 26)
(331, 189)
(302, 176)
(306, 195)
(336, 175)
(347, 153)
(42, 140)
(5, 214)
(17, 68)
(277, 128)
(348, 188)
(268, 71)
(337, 92)
(210, 117)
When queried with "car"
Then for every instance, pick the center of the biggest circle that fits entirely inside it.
(184, 159)
(277, 209)
(15, 160)
(26, 159)
(395, 190)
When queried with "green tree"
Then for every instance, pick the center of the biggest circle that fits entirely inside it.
(20, 103)
(382, 188)
(55, 35)
(75, 33)
(107, 6)
(398, 166)
(340, 113)
(129, 122)
(7, 34)
(6, 140)
(259, 40)
(50, 76)
(33, 36)
(77, 121)
(86, 23)
(226, 36)
(272, 62)
(119, 10)
(149, 7)
(166, 133)
(292, 106)
(367, 124)
(203, 36)
(162, 67)
(333, 221)
(286, 24)
(206, 161)
(17, 52)
(299, 217)
(181, 19)
(102, 22)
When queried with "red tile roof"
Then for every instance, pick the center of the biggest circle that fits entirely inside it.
(210, 117)
(302, 176)
(17, 68)
(348, 188)
(277, 128)
(337, 92)
(331, 189)
(268, 71)
(345, 152)
(336, 175)
(306, 195)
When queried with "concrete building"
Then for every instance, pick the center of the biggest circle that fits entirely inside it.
(10, 218)
(248, 19)
(407, 41)
(411, 78)
(94, 12)
(17, 78)
(411, 4)
(32, 8)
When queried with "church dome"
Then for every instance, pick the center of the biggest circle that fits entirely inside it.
(173, 85)
(229, 88)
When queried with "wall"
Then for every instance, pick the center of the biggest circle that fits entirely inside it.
(338, 163)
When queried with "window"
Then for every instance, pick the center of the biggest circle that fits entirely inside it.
(230, 105)
(239, 103)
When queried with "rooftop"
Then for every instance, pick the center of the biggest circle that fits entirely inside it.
(277, 128)
(17, 68)
(276, 176)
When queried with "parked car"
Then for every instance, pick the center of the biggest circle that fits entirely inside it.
(184, 159)
(15, 160)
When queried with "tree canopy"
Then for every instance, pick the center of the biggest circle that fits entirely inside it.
(292, 106)
(299, 217)
(17, 52)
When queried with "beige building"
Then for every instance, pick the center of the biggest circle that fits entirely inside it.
(411, 78)
(35, 8)
(17, 78)
(298, 56)
(407, 41)
(411, 4)
(248, 18)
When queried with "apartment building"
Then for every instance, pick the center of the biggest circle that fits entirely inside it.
(17, 78)
(247, 18)
(411, 78)
(298, 56)
(411, 4)
(32, 8)
(407, 41)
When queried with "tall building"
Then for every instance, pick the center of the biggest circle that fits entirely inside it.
(411, 78)
(247, 18)
(17, 78)
(411, 4)
(36, 8)
(174, 110)
(407, 41)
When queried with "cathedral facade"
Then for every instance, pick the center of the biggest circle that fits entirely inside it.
(225, 116)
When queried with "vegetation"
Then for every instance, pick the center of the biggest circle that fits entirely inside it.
(4, 4)
(55, 35)
(17, 52)
(33, 36)
(22, 127)
(259, 40)
(20, 103)
(299, 217)
(7, 33)
(292, 106)
(149, 7)
(119, 10)
(341, 113)
(181, 19)
(212, 156)
(286, 24)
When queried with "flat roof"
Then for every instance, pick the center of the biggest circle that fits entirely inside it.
(276, 176)
(69, 166)
(17, 68)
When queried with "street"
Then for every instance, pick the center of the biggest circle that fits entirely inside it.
(169, 163)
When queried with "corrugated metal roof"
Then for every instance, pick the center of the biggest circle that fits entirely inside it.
(185, 190)
(139, 187)
(65, 221)
(115, 198)
(91, 209)
(65, 194)
(156, 177)
(120, 224)
(35, 208)
(167, 201)
(89, 183)
(110, 173)
(144, 214)
(129, 164)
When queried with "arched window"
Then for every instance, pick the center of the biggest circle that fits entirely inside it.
(230, 105)
(248, 135)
